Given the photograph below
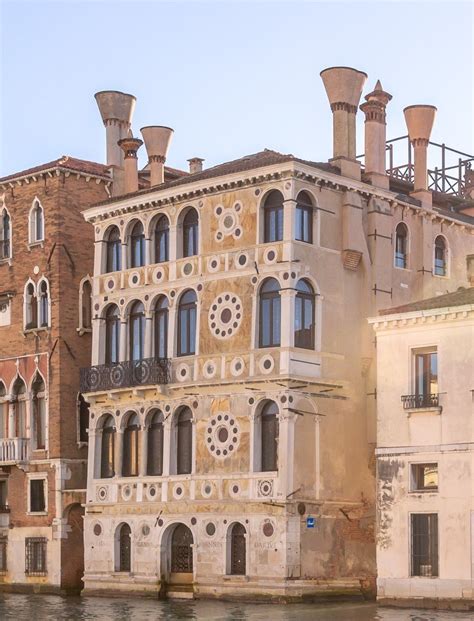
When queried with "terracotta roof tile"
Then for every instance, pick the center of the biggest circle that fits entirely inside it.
(67, 162)
(457, 298)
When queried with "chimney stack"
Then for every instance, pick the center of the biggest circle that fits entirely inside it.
(130, 146)
(374, 109)
(419, 120)
(195, 165)
(157, 141)
(116, 110)
(344, 88)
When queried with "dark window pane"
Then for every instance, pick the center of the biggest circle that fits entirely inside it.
(155, 446)
(184, 442)
(269, 437)
(37, 495)
(424, 544)
(125, 545)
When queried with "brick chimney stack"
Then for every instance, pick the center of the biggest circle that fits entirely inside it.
(195, 165)
(157, 141)
(130, 146)
(374, 109)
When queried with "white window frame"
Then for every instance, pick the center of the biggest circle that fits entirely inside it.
(37, 476)
(32, 240)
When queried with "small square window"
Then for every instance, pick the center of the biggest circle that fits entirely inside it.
(424, 477)
(37, 496)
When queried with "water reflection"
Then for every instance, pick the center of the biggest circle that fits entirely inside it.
(49, 607)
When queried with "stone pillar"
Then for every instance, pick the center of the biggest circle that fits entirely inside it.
(123, 341)
(98, 340)
(172, 329)
(93, 457)
(286, 439)
(143, 450)
(124, 257)
(167, 446)
(118, 452)
(149, 258)
(148, 335)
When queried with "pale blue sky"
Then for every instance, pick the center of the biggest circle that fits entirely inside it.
(230, 78)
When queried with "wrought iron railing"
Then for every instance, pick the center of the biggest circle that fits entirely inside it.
(413, 402)
(146, 372)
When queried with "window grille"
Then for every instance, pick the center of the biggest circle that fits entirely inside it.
(35, 556)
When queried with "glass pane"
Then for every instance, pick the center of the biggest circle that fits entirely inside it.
(433, 387)
(276, 322)
(265, 322)
(192, 330)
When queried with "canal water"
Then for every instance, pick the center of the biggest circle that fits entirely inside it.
(15, 607)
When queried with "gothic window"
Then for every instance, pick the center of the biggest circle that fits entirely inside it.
(125, 548)
(304, 218)
(401, 245)
(112, 335)
(5, 235)
(137, 331)
(184, 441)
(155, 444)
(304, 315)
(19, 401)
(238, 554)
(113, 250)
(31, 307)
(39, 412)
(187, 324)
(107, 449)
(273, 217)
(83, 412)
(440, 257)
(162, 232)
(270, 314)
(268, 437)
(190, 233)
(137, 245)
(36, 223)
(161, 327)
(43, 304)
(130, 447)
(85, 305)
(181, 550)
(3, 412)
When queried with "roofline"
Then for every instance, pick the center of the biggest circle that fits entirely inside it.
(9, 179)
(419, 314)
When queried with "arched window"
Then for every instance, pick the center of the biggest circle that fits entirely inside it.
(36, 223)
(184, 441)
(114, 250)
(130, 447)
(269, 437)
(304, 315)
(181, 550)
(440, 257)
(43, 304)
(31, 307)
(125, 548)
(304, 218)
(107, 449)
(5, 235)
(273, 217)
(270, 314)
(39, 412)
(137, 331)
(187, 324)
(190, 233)
(137, 245)
(401, 245)
(238, 552)
(161, 327)
(19, 401)
(155, 444)
(83, 411)
(3, 411)
(85, 305)
(162, 233)
(112, 335)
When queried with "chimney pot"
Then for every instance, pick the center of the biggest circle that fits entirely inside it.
(157, 141)
(195, 165)
(130, 146)
(374, 109)
(419, 120)
(116, 110)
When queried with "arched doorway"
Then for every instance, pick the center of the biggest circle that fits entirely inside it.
(124, 560)
(181, 550)
(238, 551)
(177, 562)
(72, 550)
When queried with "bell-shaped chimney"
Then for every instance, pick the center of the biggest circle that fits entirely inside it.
(116, 110)
(157, 141)
(419, 120)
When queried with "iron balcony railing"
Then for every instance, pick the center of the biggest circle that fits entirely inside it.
(413, 402)
(146, 372)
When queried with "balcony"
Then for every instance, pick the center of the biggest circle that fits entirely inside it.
(420, 402)
(127, 374)
(13, 450)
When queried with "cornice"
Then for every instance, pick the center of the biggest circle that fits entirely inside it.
(49, 173)
(423, 317)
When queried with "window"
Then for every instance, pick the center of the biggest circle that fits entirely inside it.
(36, 223)
(270, 314)
(83, 408)
(137, 246)
(238, 551)
(269, 437)
(304, 218)
(31, 307)
(440, 257)
(3, 554)
(162, 232)
(187, 324)
(125, 548)
(85, 305)
(37, 496)
(107, 452)
(3, 412)
(424, 477)
(19, 404)
(190, 233)
(424, 544)
(426, 378)
(155, 444)
(35, 556)
(137, 331)
(130, 447)
(43, 304)
(184, 441)
(5, 235)
(273, 217)
(114, 250)
(3, 495)
(304, 315)
(39, 412)
(401, 245)
(5, 310)
(112, 335)
(161, 327)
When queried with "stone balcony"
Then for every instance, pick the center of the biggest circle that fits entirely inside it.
(14, 450)
(127, 374)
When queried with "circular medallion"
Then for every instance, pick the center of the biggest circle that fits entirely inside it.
(222, 435)
(225, 315)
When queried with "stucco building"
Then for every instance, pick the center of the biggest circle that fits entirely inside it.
(425, 373)
(232, 387)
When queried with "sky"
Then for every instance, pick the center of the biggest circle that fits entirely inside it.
(231, 78)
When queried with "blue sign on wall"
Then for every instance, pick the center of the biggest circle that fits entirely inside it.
(310, 522)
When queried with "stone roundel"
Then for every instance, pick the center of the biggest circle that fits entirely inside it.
(222, 435)
(225, 315)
